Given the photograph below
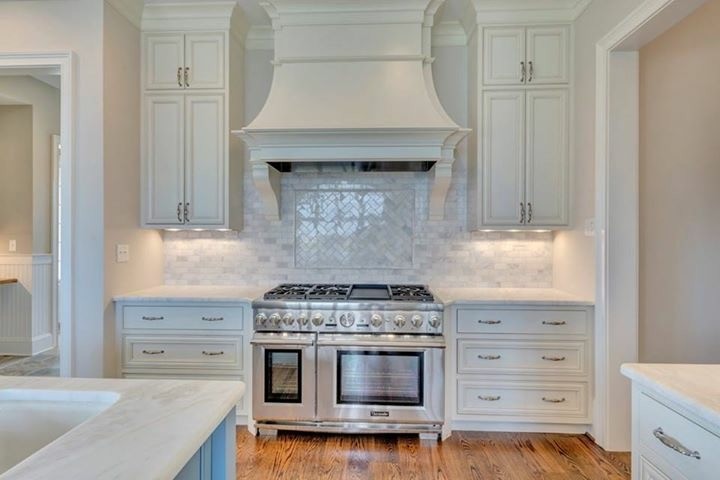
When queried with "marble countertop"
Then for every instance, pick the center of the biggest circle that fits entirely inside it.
(195, 293)
(694, 387)
(152, 430)
(508, 296)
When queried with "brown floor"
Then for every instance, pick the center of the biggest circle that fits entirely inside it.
(466, 455)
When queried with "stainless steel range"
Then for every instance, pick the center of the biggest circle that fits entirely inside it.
(349, 358)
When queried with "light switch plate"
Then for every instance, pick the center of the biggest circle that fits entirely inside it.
(122, 253)
(589, 227)
(12, 246)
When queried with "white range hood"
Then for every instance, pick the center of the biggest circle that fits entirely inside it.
(352, 88)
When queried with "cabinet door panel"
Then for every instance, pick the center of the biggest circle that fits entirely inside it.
(503, 157)
(205, 159)
(205, 60)
(163, 158)
(504, 54)
(164, 58)
(547, 49)
(547, 157)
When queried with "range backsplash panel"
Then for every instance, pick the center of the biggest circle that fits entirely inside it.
(359, 227)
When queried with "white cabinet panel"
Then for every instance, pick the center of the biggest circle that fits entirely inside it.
(164, 61)
(163, 158)
(648, 471)
(205, 60)
(547, 55)
(504, 53)
(503, 157)
(547, 157)
(205, 159)
(183, 352)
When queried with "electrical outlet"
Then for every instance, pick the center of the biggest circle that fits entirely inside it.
(589, 227)
(12, 246)
(122, 253)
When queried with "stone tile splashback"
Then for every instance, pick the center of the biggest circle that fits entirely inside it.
(359, 227)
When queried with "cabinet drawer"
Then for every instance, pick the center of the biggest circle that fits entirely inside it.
(183, 318)
(522, 399)
(510, 321)
(178, 352)
(520, 357)
(662, 429)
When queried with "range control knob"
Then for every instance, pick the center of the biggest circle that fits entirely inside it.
(303, 319)
(435, 321)
(318, 319)
(288, 319)
(416, 321)
(399, 321)
(261, 319)
(376, 320)
(347, 320)
(275, 319)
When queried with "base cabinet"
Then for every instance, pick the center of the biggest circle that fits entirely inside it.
(215, 460)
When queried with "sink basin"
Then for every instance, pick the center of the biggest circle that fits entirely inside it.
(31, 419)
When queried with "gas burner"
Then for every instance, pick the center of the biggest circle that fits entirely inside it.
(288, 291)
(328, 292)
(411, 293)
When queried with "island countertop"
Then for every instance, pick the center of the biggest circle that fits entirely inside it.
(694, 387)
(151, 431)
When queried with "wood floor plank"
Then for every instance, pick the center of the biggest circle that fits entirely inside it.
(465, 455)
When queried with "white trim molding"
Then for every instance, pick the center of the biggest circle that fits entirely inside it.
(195, 16)
(526, 11)
(617, 212)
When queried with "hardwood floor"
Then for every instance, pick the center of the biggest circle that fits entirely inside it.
(466, 455)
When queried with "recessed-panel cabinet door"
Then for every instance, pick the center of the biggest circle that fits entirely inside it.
(547, 55)
(205, 60)
(504, 53)
(503, 157)
(164, 159)
(547, 157)
(205, 159)
(164, 61)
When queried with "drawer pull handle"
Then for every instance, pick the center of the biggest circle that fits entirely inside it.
(490, 322)
(489, 357)
(553, 400)
(553, 359)
(213, 319)
(212, 354)
(489, 398)
(153, 319)
(555, 324)
(673, 444)
(153, 352)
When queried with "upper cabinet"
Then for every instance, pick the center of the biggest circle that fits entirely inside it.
(191, 166)
(525, 55)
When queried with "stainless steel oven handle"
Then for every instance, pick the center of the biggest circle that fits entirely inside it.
(379, 344)
(285, 343)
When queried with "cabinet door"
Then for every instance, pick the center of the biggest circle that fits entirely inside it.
(547, 55)
(503, 157)
(164, 60)
(504, 56)
(547, 157)
(205, 159)
(163, 159)
(205, 60)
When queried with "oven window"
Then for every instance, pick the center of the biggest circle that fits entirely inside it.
(380, 378)
(283, 376)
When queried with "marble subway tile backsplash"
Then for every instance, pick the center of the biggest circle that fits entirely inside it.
(359, 227)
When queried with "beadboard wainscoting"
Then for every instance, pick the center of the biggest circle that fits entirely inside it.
(373, 228)
(26, 308)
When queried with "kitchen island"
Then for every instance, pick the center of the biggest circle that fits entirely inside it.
(122, 429)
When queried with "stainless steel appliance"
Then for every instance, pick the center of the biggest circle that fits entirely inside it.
(349, 358)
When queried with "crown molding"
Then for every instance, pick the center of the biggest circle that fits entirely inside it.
(526, 11)
(194, 16)
(132, 10)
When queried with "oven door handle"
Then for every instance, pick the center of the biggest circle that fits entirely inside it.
(379, 343)
(286, 341)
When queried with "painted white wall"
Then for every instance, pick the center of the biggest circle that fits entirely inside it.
(75, 25)
(574, 253)
(121, 146)
(680, 192)
(45, 103)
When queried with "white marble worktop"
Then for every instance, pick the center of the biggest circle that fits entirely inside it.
(694, 387)
(507, 296)
(194, 293)
(151, 431)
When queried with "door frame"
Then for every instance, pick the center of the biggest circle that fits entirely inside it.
(617, 156)
(64, 62)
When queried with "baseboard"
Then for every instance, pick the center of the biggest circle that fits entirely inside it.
(479, 426)
(16, 346)
(42, 343)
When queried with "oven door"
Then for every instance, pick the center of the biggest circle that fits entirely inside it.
(381, 379)
(283, 377)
